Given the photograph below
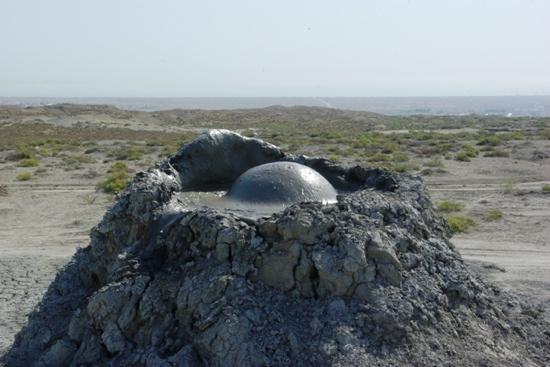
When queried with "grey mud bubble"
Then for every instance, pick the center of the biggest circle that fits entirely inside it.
(281, 183)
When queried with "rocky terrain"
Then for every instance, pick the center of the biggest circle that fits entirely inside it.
(369, 280)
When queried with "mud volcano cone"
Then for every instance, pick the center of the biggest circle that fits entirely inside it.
(369, 278)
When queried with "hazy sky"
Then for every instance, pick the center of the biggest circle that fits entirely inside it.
(178, 48)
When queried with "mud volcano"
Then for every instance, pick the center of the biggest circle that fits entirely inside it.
(369, 278)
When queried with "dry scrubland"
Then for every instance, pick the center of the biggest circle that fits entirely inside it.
(61, 165)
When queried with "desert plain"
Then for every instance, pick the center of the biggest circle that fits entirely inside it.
(62, 165)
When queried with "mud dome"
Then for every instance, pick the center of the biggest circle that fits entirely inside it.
(368, 280)
(282, 183)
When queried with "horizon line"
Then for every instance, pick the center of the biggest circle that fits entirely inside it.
(287, 97)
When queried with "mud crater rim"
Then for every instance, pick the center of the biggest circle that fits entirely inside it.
(263, 190)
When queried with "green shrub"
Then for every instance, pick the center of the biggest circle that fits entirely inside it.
(401, 166)
(134, 154)
(369, 140)
(379, 157)
(400, 157)
(23, 151)
(494, 214)
(77, 160)
(52, 147)
(434, 162)
(118, 177)
(130, 153)
(448, 206)
(492, 140)
(389, 148)
(460, 224)
(24, 176)
(546, 188)
(462, 156)
(466, 153)
(515, 135)
(469, 150)
(28, 162)
(431, 150)
(89, 199)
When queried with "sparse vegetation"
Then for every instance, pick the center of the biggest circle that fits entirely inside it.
(546, 188)
(496, 153)
(24, 176)
(28, 162)
(434, 162)
(89, 199)
(494, 214)
(492, 140)
(509, 188)
(469, 150)
(77, 161)
(405, 167)
(449, 206)
(118, 177)
(23, 151)
(127, 153)
(379, 157)
(460, 224)
(400, 157)
(36, 138)
(514, 135)
(419, 139)
(462, 157)
(466, 153)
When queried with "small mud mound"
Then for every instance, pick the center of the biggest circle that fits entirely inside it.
(368, 280)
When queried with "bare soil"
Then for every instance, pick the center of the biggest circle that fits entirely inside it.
(514, 251)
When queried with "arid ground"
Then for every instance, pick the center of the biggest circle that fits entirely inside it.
(60, 166)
